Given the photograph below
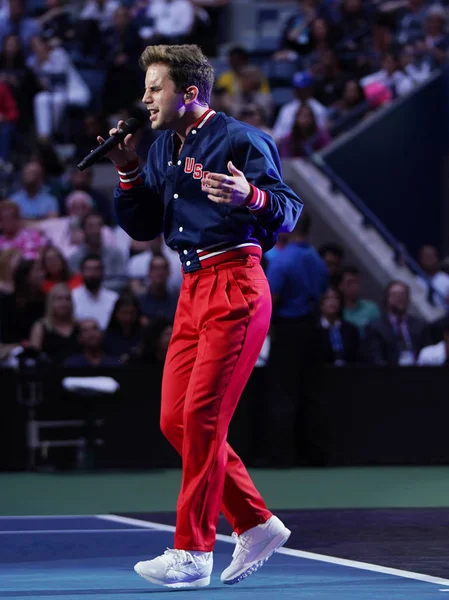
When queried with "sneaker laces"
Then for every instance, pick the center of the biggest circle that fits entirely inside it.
(177, 557)
(242, 544)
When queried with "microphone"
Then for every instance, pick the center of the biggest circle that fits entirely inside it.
(129, 126)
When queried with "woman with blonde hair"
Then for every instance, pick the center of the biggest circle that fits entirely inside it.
(9, 259)
(56, 334)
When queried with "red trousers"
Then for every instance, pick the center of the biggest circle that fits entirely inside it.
(220, 325)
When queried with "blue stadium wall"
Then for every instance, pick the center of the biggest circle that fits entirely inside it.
(396, 164)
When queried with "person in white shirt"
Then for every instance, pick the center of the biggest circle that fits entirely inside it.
(438, 354)
(63, 86)
(167, 21)
(137, 269)
(92, 300)
(303, 84)
(429, 261)
(101, 11)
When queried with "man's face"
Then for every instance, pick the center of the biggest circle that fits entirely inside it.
(90, 335)
(81, 180)
(350, 286)
(397, 300)
(429, 259)
(158, 270)
(161, 98)
(32, 174)
(92, 272)
(92, 230)
(333, 263)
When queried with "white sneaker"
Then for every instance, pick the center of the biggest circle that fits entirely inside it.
(178, 569)
(254, 547)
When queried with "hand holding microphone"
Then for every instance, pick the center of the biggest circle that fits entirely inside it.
(119, 147)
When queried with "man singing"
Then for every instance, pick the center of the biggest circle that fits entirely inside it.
(214, 187)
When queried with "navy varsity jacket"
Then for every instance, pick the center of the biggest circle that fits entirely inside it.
(166, 196)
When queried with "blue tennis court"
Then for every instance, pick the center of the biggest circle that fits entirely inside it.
(92, 557)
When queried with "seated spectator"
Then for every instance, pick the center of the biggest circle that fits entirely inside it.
(433, 45)
(124, 332)
(295, 39)
(19, 24)
(158, 300)
(34, 201)
(9, 259)
(56, 334)
(92, 300)
(397, 337)
(391, 77)
(101, 11)
(230, 81)
(82, 181)
(250, 92)
(438, 354)
(166, 21)
(23, 307)
(354, 24)
(56, 270)
(90, 340)
(253, 115)
(305, 137)
(437, 282)
(86, 139)
(340, 340)
(13, 234)
(411, 21)
(349, 109)
(9, 115)
(357, 311)
(333, 255)
(323, 38)
(330, 79)
(112, 258)
(415, 62)
(57, 23)
(20, 79)
(66, 232)
(62, 86)
(304, 91)
(138, 266)
(153, 348)
(123, 79)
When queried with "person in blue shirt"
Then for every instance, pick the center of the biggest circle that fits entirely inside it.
(298, 277)
(34, 201)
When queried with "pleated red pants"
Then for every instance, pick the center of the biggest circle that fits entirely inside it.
(220, 325)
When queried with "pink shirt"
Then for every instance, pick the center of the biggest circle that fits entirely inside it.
(29, 241)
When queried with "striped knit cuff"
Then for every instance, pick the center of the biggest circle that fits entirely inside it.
(130, 175)
(258, 200)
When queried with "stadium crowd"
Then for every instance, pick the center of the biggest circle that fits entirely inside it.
(75, 287)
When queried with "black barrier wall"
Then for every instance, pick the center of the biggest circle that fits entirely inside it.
(371, 416)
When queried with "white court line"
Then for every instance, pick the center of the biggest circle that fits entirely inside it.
(298, 553)
(12, 517)
(43, 531)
